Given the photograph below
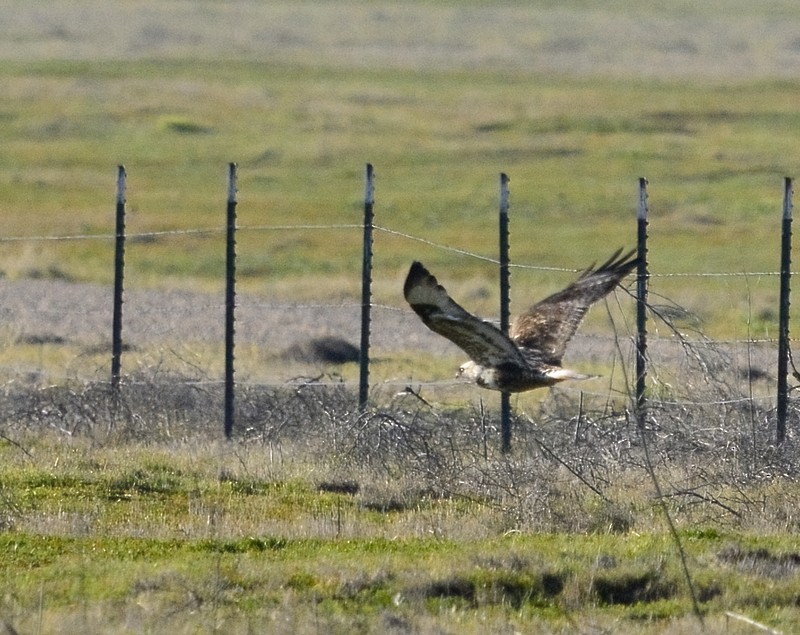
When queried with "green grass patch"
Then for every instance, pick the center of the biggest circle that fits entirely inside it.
(193, 531)
(550, 578)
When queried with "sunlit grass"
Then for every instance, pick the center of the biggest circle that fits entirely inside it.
(190, 532)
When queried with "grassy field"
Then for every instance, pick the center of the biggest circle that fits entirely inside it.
(141, 522)
(400, 521)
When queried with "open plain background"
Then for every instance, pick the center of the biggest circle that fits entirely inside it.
(574, 101)
(720, 40)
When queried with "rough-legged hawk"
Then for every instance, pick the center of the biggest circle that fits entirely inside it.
(530, 355)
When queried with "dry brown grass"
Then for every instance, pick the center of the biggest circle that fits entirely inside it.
(573, 469)
(315, 504)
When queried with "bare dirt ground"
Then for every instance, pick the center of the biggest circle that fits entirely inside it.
(171, 326)
(80, 315)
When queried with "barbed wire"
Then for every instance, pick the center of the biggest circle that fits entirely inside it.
(431, 243)
(172, 232)
(355, 226)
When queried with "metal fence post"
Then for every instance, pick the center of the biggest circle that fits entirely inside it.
(505, 313)
(230, 300)
(366, 288)
(119, 276)
(641, 304)
(783, 312)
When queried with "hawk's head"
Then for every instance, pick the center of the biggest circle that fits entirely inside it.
(484, 377)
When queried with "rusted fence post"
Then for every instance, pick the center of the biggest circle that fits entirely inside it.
(119, 276)
(505, 308)
(230, 300)
(783, 312)
(366, 288)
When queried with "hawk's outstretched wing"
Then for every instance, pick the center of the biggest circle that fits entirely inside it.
(548, 325)
(483, 342)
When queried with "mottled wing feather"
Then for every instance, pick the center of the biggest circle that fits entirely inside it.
(481, 341)
(547, 326)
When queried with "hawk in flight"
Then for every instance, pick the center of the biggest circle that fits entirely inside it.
(530, 355)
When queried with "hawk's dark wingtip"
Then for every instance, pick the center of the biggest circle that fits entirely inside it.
(416, 273)
(621, 264)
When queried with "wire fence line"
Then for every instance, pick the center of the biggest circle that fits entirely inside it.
(219, 231)
(171, 311)
(79, 309)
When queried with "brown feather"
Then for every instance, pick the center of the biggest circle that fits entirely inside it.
(549, 324)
